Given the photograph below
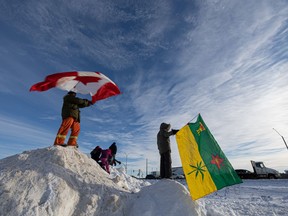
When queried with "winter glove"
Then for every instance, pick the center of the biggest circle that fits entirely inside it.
(174, 131)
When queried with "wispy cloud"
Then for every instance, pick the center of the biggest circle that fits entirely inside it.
(224, 59)
(94, 29)
(22, 135)
(238, 90)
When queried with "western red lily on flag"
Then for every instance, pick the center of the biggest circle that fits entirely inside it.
(94, 83)
(205, 166)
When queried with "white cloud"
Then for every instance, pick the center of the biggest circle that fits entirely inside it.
(18, 136)
(224, 59)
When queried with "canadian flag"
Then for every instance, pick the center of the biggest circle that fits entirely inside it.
(96, 84)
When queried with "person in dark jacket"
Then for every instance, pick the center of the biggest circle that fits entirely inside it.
(70, 119)
(163, 143)
(112, 160)
(96, 153)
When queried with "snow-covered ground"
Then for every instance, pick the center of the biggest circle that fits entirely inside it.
(252, 197)
(64, 181)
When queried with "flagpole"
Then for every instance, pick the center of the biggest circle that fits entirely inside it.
(194, 117)
(282, 138)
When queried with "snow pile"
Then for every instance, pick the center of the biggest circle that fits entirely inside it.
(125, 181)
(253, 197)
(64, 181)
(166, 197)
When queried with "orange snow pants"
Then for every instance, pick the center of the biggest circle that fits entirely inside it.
(68, 123)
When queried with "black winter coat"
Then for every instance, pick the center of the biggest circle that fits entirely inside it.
(71, 105)
(163, 140)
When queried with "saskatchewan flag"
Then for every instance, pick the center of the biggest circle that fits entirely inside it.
(205, 166)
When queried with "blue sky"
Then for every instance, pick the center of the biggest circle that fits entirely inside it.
(224, 59)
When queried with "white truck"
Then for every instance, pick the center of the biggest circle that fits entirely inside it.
(260, 171)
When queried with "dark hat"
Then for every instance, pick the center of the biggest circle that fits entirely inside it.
(165, 126)
(71, 92)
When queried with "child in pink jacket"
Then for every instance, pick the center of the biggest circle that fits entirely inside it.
(106, 154)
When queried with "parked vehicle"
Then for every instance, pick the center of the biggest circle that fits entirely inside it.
(150, 176)
(177, 170)
(259, 171)
(156, 174)
(245, 174)
(177, 176)
(264, 172)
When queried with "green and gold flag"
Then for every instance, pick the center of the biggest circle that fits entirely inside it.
(205, 166)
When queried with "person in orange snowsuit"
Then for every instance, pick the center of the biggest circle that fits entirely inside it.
(70, 119)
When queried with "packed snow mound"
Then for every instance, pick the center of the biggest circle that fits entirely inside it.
(64, 181)
(154, 200)
(57, 181)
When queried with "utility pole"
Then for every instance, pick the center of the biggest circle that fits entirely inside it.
(126, 162)
(146, 166)
(282, 138)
